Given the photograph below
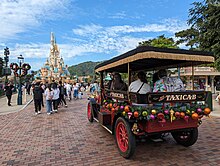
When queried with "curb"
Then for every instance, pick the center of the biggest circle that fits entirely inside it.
(4, 113)
(29, 102)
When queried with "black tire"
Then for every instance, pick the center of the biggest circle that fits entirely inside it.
(187, 137)
(124, 138)
(90, 112)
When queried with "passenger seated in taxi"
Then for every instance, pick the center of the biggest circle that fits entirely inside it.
(159, 85)
(140, 85)
(155, 77)
(118, 83)
(167, 84)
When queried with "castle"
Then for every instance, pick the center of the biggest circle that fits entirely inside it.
(54, 67)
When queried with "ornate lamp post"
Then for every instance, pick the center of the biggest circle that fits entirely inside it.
(23, 68)
(7, 71)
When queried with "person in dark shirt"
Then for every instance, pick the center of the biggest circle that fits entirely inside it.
(8, 92)
(38, 97)
(62, 93)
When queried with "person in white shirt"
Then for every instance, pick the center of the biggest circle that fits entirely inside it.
(140, 85)
(49, 95)
(75, 91)
(56, 95)
(68, 90)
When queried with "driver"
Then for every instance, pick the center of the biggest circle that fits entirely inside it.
(118, 83)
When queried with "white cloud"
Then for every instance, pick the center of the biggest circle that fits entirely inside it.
(168, 25)
(121, 38)
(120, 15)
(20, 15)
(33, 50)
(87, 29)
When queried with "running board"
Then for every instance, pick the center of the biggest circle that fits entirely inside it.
(96, 119)
(103, 126)
(106, 128)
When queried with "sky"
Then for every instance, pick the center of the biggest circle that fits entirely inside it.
(86, 30)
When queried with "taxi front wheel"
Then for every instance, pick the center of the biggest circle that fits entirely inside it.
(90, 112)
(124, 137)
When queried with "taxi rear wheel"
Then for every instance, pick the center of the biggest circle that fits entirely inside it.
(186, 137)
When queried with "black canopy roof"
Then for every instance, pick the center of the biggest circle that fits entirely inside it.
(148, 58)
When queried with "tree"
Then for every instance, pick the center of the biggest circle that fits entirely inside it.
(204, 31)
(160, 41)
(83, 69)
(190, 37)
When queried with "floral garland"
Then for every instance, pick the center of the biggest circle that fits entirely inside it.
(162, 114)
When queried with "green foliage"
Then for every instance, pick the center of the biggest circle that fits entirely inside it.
(160, 41)
(83, 69)
(124, 77)
(188, 36)
(204, 33)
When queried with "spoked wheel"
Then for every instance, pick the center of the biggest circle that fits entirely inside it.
(125, 139)
(187, 137)
(89, 112)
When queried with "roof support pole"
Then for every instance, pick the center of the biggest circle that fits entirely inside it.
(212, 84)
(129, 74)
(101, 86)
(192, 76)
(206, 83)
(178, 68)
(129, 79)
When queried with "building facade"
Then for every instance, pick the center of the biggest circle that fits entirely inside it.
(206, 78)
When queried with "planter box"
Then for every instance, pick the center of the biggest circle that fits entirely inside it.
(104, 118)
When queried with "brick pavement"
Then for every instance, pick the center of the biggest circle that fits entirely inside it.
(67, 138)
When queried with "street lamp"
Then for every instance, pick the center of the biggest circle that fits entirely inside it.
(20, 61)
(23, 68)
(7, 71)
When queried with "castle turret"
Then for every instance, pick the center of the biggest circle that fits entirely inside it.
(52, 40)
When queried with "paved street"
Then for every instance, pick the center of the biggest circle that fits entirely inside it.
(67, 138)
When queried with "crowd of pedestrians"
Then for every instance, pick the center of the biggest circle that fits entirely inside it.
(55, 94)
(52, 95)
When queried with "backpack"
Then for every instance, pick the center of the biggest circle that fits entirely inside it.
(62, 90)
